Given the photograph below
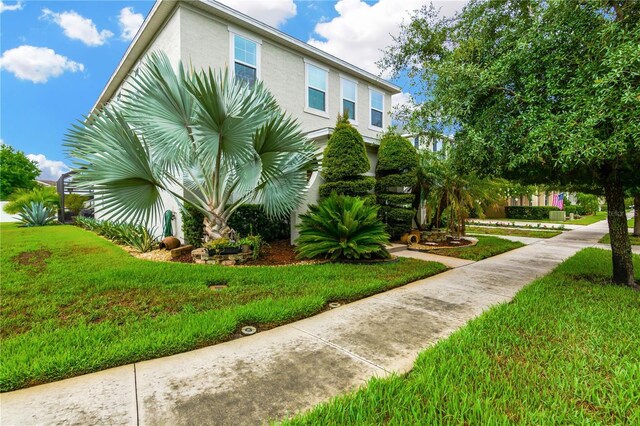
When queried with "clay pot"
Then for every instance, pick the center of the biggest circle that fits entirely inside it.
(409, 238)
(169, 243)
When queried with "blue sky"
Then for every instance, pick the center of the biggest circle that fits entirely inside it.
(58, 55)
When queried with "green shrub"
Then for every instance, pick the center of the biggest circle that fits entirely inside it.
(192, 225)
(345, 160)
(37, 214)
(588, 204)
(529, 212)
(75, 202)
(137, 236)
(396, 168)
(352, 188)
(250, 219)
(47, 195)
(342, 227)
(404, 180)
(345, 155)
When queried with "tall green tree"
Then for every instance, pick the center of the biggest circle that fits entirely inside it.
(344, 162)
(395, 179)
(204, 137)
(16, 171)
(542, 92)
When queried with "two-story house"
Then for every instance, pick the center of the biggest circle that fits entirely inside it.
(311, 85)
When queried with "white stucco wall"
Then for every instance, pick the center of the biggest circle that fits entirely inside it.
(168, 41)
(205, 42)
(6, 217)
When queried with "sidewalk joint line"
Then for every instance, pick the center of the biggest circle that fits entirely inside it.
(135, 388)
(340, 348)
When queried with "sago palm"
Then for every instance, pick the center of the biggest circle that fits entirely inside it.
(204, 137)
(342, 227)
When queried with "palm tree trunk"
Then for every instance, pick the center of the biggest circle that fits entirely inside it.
(215, 227)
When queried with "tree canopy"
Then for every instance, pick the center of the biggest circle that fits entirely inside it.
(16, 171)
(541, 92)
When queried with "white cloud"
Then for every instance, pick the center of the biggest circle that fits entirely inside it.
(10, 7)
(49, 169)
(130, 23)
(271, 12)
(401, 99)
(37, 64)
(77, 27)
(360, 31)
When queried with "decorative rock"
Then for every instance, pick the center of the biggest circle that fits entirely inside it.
(228, 262)
(334, 305)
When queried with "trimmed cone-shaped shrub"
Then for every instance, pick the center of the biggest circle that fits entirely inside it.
(344, 161)
(342, 227)
(396, 176)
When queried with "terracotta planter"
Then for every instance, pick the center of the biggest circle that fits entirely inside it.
(169, 243)
(409, 238)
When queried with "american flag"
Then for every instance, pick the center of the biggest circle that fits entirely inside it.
(558, 201)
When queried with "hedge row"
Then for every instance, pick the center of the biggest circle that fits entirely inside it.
(529, 212)
(247, 219)
(251, 218)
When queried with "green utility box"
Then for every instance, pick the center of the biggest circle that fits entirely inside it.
(558, 216)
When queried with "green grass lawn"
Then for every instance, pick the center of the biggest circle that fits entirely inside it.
(564, 351)
(635, 241)
(533, 233)
(584, 220)
(73, 302)
(487, 246)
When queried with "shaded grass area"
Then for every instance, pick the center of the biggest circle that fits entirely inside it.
(584, 220)
(532, 233)
(635, 241)
(74, 303)
(564, 351)
(487, 246)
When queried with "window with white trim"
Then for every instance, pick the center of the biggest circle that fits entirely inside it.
(376, 107)
(246, 57)
(349, 89)
(317, 83)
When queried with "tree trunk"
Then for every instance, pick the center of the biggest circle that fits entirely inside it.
(636, 214)
(215, 228)
(620, 244)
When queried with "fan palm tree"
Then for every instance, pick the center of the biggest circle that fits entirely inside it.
(206, 138)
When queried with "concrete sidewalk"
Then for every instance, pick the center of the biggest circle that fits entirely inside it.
(276, 373)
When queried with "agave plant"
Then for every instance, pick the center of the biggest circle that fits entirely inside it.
(37, 214)
(206, 138)
(342, 227)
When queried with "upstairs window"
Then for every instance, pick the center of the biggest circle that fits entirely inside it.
(376, 101)
(349, 93)
(317, 83)
(246, 57)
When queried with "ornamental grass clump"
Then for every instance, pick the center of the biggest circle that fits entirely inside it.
(342, 228)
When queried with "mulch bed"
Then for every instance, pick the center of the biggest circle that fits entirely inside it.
(443, 244)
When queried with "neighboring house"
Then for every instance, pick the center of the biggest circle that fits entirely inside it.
(311, 85)
(44, 182)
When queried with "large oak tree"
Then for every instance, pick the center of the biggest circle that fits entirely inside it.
(542, 92)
